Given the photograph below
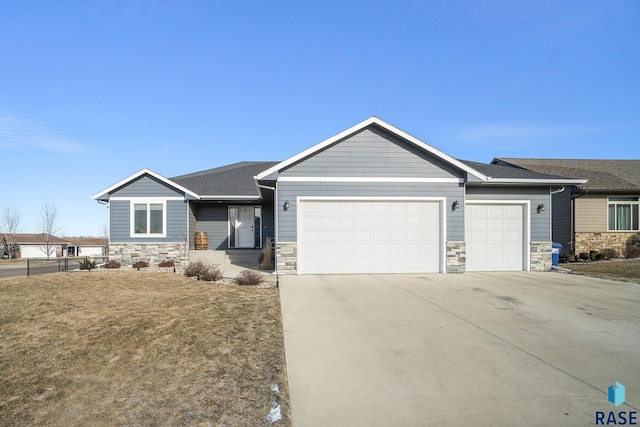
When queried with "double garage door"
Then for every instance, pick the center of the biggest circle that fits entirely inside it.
(404, 236)
(364, 236)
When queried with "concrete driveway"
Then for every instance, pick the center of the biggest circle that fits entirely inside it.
(459, 349)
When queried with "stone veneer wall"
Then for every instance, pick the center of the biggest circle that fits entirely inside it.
(617, 240)
(456, 257)
(153, 253)
(287, 257)
(541, 256)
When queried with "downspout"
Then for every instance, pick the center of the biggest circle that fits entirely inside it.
(573, 218)
(275, 222)
(551, 193)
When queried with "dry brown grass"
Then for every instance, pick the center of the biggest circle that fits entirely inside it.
(132, 348)
(623, 270)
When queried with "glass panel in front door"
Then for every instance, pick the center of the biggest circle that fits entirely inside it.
(244, 227)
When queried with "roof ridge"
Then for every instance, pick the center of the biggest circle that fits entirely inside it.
(223, 168)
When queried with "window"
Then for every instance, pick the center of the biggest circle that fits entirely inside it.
(148, 218)
(623, 213)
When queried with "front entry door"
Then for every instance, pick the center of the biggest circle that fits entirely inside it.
(244, 227)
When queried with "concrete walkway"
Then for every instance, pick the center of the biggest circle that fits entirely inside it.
(471, 349)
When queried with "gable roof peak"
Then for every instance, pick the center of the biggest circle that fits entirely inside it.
(387, 127)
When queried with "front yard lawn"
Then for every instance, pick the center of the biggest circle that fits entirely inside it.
(134, 348)
(623, 270)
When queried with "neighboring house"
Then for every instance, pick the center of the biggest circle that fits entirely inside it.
(371, 199)
(602, 213)
(87, 246)
(34, 246)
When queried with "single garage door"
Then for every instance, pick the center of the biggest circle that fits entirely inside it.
(353, 236)
(494, 235)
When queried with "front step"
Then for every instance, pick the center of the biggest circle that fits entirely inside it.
(243, 257)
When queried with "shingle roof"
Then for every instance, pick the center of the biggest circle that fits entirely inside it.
(35, 238)
(86, 241)
(231, 180)
(510, 172)
(603, 175)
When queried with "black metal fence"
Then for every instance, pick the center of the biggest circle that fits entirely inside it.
(52, 265)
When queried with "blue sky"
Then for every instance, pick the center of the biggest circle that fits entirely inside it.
(95, 90)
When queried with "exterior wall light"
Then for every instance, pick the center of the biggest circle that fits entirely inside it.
(455, 205)
(286, 205)
(540, 208)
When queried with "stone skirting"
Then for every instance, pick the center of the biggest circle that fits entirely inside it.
(456, 257)
(616, 240)
(153, 253)
(540, 256)
(287, 257)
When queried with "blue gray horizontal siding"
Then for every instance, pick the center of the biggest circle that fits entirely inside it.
(120, 219)
(374, 153)
(540, 222)
(146, 186)
(291, 190)
(213, 219)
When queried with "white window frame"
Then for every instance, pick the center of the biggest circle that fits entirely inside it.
(147, 201)
(623, 202)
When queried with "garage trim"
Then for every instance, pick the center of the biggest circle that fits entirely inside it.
(526, 215)
(442, 212)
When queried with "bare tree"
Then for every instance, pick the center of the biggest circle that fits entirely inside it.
(9, 228)
(49, 227)
(104, 238)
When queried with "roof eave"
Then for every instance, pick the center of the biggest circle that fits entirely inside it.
(545, 181)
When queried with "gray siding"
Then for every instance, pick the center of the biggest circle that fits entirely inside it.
(146, 186)
(375, 153)
(213, 219)
(192, 226)
(291, 190)
(540, 222)
(120, 219)
(561, 219)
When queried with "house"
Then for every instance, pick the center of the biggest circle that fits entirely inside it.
(38, 245)
(87, 246)
(371, 199)
(597, 215)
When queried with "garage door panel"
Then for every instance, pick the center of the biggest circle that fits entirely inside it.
(369, 236)
(494, 237)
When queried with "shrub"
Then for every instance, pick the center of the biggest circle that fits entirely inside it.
(194, 269)
(584, 256)
(140, 264)
(593, 255)
(86, 264)
(611, 253)
(166, 263)
(266, 257)
(203, 272)
(112, 264)
(249, 278)
(632, 251)
(211, 274)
